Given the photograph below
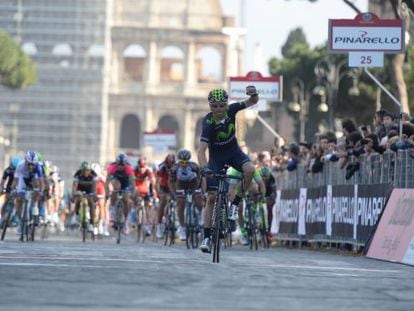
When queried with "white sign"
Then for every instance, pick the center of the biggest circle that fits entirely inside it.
(367, 38)
(266, 90)
(160, 141)
(366, 59)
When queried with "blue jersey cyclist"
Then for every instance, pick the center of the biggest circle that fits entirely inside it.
(28, 176)
(219, 137)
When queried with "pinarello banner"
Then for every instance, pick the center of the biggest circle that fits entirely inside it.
(286, 212)
(342, 212)
(394, 236)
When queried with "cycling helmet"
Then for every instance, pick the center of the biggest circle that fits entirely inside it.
(97, 168)
(85, 166)
(39, 156)
(218, 96)
(121, 159)
(55, 169)
(169, 160)
(14, 161)
(31, 157)
(184, 155)
(142, 161)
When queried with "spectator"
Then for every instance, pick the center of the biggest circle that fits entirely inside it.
(379, 127)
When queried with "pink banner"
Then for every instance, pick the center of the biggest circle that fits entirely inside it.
(393, 237)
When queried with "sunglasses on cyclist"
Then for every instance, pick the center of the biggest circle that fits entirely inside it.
(183, 161)
(222, 105)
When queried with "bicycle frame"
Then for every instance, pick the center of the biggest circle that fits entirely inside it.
(170, 228)
(219, 224)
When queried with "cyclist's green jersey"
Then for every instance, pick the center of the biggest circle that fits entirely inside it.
(257, 177)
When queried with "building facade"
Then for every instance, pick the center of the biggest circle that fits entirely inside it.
(110, 70)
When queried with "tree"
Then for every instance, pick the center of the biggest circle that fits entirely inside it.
(16, 68)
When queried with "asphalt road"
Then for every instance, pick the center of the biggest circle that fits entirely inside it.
(62, 273)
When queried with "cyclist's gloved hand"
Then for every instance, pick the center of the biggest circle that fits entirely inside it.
(205, 170)
(72, 198)
(251, 90)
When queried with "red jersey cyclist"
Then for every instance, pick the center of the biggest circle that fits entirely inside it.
(144, 183)
(120, 175)
(162, 187)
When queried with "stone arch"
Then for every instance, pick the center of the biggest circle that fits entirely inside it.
(197, 132)
(134, 57)
(130, 132)
(209, 63)
(29, 48)
(172, 64)
(170, 123)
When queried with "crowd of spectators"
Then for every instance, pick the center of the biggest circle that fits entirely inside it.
(383, 136)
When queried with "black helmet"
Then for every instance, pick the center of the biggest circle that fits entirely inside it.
(184, 155)
(121, 159)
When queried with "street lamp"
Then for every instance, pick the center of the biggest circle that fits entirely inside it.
(328, 76)
(299, 104)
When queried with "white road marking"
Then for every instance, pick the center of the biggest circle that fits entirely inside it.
(178, 261)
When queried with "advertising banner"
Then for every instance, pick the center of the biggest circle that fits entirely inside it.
(316, 207)
(393, 239)
(343, 206)
(288, 211)
(369, 205)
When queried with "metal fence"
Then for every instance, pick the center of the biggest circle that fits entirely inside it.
(396, 168)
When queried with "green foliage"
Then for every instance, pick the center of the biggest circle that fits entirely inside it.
(16, 68)
(298, 62)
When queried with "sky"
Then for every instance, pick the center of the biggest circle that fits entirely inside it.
(269, 22)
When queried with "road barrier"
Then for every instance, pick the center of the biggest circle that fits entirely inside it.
(335, 208)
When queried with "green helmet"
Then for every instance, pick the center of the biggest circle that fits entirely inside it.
(39, 156)
(218, 96)
(85, 165)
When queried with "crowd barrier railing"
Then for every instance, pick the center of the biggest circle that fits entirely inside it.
(329, 207)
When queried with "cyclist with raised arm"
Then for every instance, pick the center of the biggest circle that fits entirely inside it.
(120, 175)
(185, 174)
(28, 176)
(85, 180)
(219, 137)
(6, 183)
(163, 187)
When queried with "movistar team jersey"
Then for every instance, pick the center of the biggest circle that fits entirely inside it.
(220, 135)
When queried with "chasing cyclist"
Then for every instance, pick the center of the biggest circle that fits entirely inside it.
(85, 180)
(28, 176)
(185, 174)
(144, 183)
(163, 187)
(120, 174)
(6, 183)
(218, 136)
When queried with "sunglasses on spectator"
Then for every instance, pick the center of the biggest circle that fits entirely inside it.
(183, 161)
(222, 105)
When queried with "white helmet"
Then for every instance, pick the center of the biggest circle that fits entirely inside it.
(97, 168)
